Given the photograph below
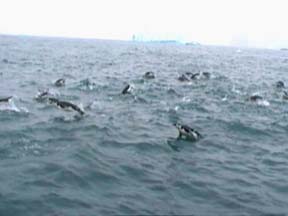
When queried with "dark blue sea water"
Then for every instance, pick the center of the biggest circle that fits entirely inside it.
(123, 156)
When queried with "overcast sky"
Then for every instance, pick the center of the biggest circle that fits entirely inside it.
(224, 22)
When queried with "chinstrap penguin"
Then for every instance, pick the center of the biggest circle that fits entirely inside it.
(5, 100)
(187, 132)
(149, 75)
(60, 82)
(65, 105)
(127, 90)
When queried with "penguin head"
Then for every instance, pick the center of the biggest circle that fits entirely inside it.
(280, 84)
(52, 100)
(177, 125)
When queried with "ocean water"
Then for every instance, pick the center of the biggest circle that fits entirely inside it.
(123, 156)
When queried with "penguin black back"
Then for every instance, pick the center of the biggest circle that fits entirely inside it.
(280, 84)
(5, 99)
(60, 82)
(255, 98)
(194, 76)
(65, 104)
(127, 89)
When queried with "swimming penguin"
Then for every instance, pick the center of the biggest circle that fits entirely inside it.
(187, 132)
(280, 84)
(207, 75)
(65, 105)
(5, 100)
(259, 100)
(188, 74)
(42, 95)
(183, 78)
(149, 75)
(255, 98)
(60, 82)
(127, 90)
(195, 76)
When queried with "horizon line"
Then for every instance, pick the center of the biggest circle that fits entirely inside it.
(131, 40)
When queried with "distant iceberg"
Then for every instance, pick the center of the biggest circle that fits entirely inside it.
(164, 41)
(157, 39)
(192, 44)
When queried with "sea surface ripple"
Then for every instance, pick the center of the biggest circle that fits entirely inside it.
(123, 157)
